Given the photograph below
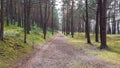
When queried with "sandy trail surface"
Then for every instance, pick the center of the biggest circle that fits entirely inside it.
(58, 54)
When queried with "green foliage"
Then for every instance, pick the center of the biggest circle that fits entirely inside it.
(36, 30)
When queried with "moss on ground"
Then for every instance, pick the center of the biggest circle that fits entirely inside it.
(111, 55)
(13, 48)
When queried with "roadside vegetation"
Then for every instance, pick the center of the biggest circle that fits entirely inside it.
(13, 48)
(112, 54)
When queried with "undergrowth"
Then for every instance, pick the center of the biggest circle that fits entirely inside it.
(111, 55)
(13, 47)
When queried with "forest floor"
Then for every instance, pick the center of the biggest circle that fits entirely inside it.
(59, 53)
(13, 49)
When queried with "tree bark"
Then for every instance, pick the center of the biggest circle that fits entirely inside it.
(103, 10)
(72, 25)
(52, 22)
(97, 23)
(87, 26)
(1, 21)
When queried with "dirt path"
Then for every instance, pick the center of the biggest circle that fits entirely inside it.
(58, 54)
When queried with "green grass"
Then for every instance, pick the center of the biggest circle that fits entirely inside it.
(111, 55)
(13, 48)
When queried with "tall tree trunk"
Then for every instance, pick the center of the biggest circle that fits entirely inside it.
(103, 10)
(28, 16)
(25, 20)
(72, 25)
(87, 26)
(97, 23)
(68, 30)
(64, 23)
(67, 20)
(41, 14)
(52, 22)
(45, 17)
(7, 13)
(114, 21)
(11, 11)
(1, 21)
(19, 14)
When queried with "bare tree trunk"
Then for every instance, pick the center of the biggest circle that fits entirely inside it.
(97, 23)
(45, 17)
(7, 13)
(87, 26)
(64, 22)
(103, 10)
(72, 25)
(11, 11)
(52, 22)
(114, 21)
(25, 20)
(67, 21)
(41, 14)
(1, 21)
(28, 16)
(19, 14)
